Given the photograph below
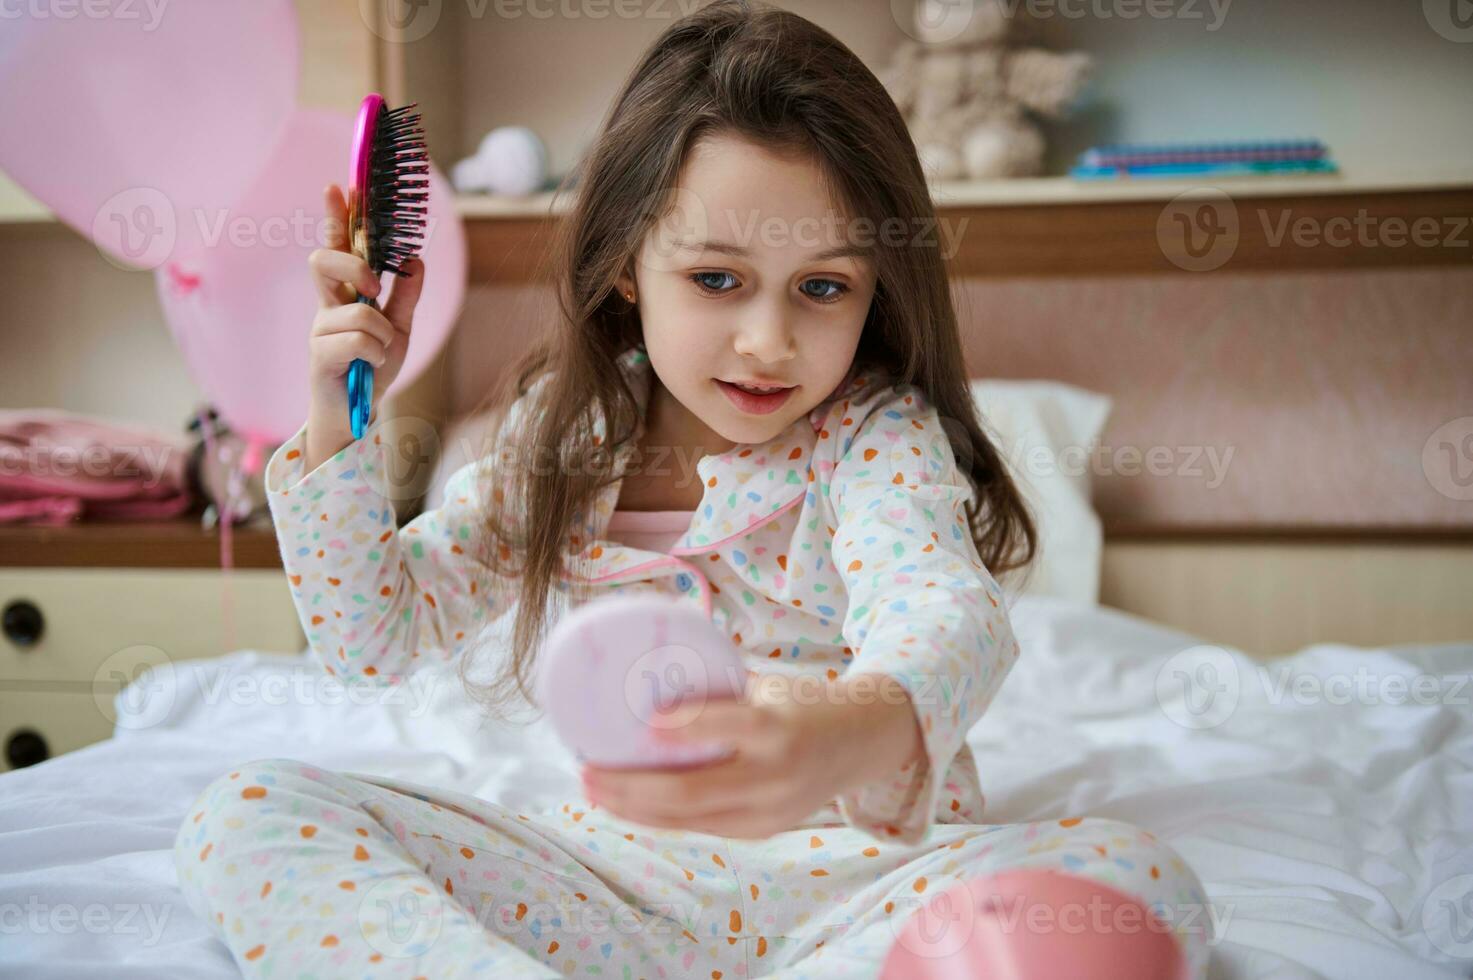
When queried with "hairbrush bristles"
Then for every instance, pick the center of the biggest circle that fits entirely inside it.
(396, 198)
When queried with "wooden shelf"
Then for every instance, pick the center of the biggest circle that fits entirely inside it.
(183, 544)
(1056, 226)
(158, 544)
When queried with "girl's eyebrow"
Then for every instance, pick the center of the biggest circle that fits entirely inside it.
(726, 248)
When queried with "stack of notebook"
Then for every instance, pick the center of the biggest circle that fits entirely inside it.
(1210, 159)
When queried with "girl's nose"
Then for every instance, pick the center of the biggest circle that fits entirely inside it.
(764, 335)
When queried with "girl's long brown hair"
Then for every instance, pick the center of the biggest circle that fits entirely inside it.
(745, 69)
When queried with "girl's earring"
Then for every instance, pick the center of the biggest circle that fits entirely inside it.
(629, 295)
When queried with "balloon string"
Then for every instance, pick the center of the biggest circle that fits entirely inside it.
(227, 609)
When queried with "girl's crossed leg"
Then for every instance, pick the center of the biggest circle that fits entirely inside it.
(309, 872)
(306, 872)
(844, 900)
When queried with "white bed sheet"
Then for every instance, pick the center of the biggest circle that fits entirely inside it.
(1331, 836)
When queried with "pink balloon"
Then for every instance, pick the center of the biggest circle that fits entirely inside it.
(127, 120)
(241, 306)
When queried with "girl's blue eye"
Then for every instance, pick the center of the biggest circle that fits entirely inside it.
(701, 280)
(839, 290)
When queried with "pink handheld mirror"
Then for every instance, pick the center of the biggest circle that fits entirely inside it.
(613, 668)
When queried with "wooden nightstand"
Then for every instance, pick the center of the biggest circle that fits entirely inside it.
(87, 608)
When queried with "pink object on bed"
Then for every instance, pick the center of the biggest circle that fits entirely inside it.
(991, 926)
(58, 466)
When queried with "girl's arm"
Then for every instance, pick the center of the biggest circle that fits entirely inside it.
(922, 607)
(377, 601)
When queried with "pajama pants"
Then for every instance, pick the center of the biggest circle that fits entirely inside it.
(311, 873)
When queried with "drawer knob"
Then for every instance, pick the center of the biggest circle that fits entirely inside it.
(23, 623)
(26, 747)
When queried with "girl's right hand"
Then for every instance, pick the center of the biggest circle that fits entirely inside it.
(345, 329)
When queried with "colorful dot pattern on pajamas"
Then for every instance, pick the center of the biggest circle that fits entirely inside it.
(840, 543)
(310, 873)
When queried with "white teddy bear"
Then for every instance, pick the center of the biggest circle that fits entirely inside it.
(968, 95)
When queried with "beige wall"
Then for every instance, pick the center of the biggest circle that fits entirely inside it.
(1370, 77)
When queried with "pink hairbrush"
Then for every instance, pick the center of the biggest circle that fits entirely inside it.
(614, 667)
(388, 196)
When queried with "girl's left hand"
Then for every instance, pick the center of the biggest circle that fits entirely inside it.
(789, 759)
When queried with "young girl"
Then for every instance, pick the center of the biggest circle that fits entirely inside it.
(752, 214)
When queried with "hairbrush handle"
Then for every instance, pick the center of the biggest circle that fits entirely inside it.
(360, 388)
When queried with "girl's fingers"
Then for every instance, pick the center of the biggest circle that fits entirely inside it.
(355, 318)
(337, 218)
(335, 272)
(340, 350)
(330, 274)
(732, 782)
(404, 295)
(719, 719)
(332, 294)
(728, 823)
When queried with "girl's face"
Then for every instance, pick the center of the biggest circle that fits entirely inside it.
(752, 277)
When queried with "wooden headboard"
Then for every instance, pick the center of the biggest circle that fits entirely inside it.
(1289, 458)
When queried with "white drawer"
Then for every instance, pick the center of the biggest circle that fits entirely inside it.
(63, 722)
(101, 625)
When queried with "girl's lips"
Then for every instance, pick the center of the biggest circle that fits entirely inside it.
(755, 404)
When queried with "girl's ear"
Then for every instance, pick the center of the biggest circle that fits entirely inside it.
(624, 286)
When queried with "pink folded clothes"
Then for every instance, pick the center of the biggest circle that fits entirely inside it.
(57, 467)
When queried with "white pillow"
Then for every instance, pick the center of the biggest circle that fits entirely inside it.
(1048, 431)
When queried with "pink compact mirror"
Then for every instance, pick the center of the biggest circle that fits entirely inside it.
(614, 668)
